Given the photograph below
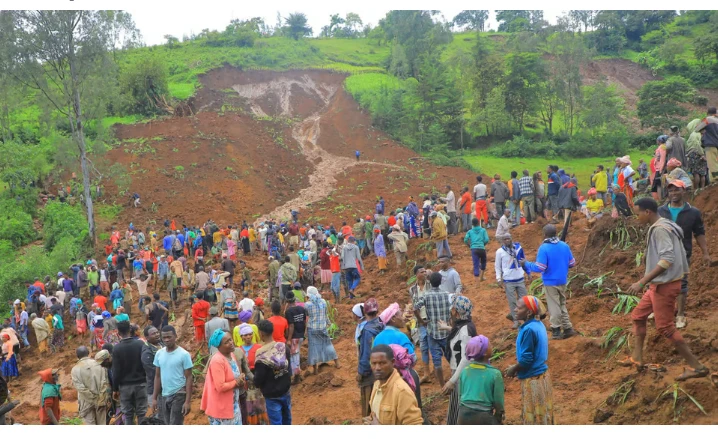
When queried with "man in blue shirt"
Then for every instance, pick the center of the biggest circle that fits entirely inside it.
(356, 153)
(554, 184)
(167, 243)
(173, 379)
(553, 261)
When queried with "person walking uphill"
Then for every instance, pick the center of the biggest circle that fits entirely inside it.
(528, 196)
(439, 236)
(689, 218)
(399, 241)
(553, 261)
(438, 309)
(666, 264)
(450, 200)
(273, 376)
(351, 261)
(392, 401)
(532, 367)
(365, 339)
(129, 383)
(173, 379)
(708, 127)
(477, 238)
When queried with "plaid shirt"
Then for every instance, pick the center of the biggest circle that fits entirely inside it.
(438, 307)
(526, 186)
(317, 315)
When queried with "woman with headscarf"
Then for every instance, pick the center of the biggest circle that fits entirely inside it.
(117, 296)
(220, 397)
(565, 178)
(256, 410)
(380, 250)
(481, 388)
(461, 331)
(358, 312)
(696, 163)
(676, 173)
(9, 360)
(594, 207)
(50, 397)
(321, 349)
(625, 179)
(620, 204)
(244, 318)
(393, 321)
(99, 325)
(42, 332)
(404, 363)
(532, 368)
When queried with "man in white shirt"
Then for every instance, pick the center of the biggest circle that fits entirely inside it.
(503, 229)
(509, 274)
(481, 207)
(450, 201)
(246, 304)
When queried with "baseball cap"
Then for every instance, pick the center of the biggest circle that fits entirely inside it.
(259, 301)
(371, 306)
(677, 183)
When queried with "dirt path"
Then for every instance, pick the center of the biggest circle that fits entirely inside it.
(327, 166)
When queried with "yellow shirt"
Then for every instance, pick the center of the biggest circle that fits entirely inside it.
(252, 235)
(217, 237)
(238, 338)
(281, 238)
(600, 181)
(594, 206)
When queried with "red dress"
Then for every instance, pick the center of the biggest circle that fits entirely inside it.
(200, 312)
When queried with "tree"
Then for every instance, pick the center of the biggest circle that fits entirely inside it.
(62, 54)
(659, 101)
(296, 26)
(583, 18)
(354, 24)
(568, 52)
(602, 103)
(172, 41)
(144, 82)
(474, 20)
(487, 76)
(334, 22)
(522, 86)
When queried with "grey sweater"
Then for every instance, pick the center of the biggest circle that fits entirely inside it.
(351, 257)
(665, 248)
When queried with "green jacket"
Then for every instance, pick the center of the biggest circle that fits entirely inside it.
(477, 237)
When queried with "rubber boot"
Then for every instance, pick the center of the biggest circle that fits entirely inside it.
(556, 334)
(568, 333)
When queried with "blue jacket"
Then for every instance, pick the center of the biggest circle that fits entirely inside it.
(477, 237)
(532, 349)
(167, 242)
(553, 261)
(371, 329)
(181, 239)
(554, 184)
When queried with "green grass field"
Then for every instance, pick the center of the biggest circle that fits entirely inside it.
(583, 167)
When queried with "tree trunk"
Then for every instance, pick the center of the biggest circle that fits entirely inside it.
(79, 134)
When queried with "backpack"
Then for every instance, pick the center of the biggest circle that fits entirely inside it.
(177, 245)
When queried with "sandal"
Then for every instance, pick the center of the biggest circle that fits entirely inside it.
(630, 362)
(689, 373)
(655, 367)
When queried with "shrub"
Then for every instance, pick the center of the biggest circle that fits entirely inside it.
(61, 220)
(15, 224)
(143, 82)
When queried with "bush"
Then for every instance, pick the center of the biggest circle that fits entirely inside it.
(520, 146)
(15, 224)
(61, 220)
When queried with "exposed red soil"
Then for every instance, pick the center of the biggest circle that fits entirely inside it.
(582, 377)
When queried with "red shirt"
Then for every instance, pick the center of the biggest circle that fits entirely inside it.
(200, 310)
(108, 250)
(244, 233)
(334, 264)
(392, 221)
(53, 403)
(101, 301)
(199, 252)
(40, 285)
(347, 231)
(280, 327)
(466, 198)
(155, 264)
(115, 238)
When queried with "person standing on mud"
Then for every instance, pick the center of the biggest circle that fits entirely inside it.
(129, 382)
(482, 213)
(689, 218)
(357, 154)
(676, 146)
(500, 193)
(666, 265)
(365, 339)
(439, 236)
(450, 200)
(553, 261)
(438, 309)
(509, 274)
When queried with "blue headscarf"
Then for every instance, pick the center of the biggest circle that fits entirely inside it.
(216, 339)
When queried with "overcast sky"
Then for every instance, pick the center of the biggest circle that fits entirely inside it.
(185, 21)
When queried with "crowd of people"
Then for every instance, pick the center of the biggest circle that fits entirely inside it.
(131, 367)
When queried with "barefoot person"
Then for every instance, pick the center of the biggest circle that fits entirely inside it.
(666, 264)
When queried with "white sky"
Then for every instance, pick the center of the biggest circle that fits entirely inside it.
(181, 21)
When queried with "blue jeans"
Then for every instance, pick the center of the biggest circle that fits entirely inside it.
(424, 344)
(94, 290)
(442, 248)
(436, 347)
(478, 257)
(361, 243)
(515, 210)
(279, 410)
(336, 281)
(353, 278)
